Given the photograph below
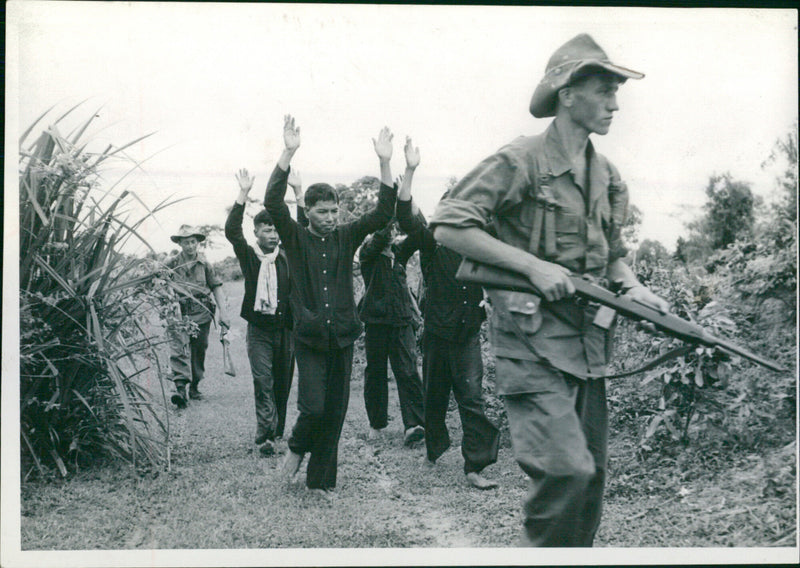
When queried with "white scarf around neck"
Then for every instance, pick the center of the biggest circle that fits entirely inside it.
(267, 283)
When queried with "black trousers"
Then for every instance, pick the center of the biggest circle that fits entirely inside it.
(446, 366)
(395, 344)
(323, 393)
(272, 364)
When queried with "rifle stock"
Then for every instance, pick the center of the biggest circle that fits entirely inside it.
(490, 276)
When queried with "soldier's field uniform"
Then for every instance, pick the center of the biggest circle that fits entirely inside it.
(188, 353)
(558, 421)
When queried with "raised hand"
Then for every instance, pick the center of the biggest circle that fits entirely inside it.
(383, 145)
(291, 133)
(412, 154)
(294, 179)
(245, 181)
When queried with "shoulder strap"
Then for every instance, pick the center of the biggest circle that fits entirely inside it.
(544, 217)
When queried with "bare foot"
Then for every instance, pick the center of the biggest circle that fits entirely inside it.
(479, 482)
(413, 434)
(373, 434)
(322, 494)
(291, 465)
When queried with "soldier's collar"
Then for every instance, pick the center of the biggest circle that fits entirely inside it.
(558, 162)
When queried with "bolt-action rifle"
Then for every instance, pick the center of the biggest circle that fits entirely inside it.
(490, 276)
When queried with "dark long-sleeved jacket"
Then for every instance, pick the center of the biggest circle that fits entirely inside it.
(386, 299)
(452, 308)
(321, 268)
(251, 265)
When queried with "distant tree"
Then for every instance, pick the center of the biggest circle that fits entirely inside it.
(784, 153)
(649, 257)
(729, 211)
(358, 198)
(211, 232)
(728, 215)
(652, 251)
(631, 227)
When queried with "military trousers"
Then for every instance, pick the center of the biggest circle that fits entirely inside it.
(272, 366)
(187, 356)
(559, 433)
(396, 345)
(457, 366)
(323, 392)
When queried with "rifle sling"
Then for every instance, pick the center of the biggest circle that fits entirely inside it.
(522, 336)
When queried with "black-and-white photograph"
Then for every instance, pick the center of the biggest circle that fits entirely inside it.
(374, 284)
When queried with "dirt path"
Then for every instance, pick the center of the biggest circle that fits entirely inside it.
(221, 493)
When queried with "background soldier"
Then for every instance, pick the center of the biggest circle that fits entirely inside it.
(195, 274)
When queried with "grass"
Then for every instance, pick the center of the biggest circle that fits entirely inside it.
(221, 494)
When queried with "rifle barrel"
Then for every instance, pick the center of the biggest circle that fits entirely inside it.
(494, 277)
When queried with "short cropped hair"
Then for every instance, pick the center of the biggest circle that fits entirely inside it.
(263, 218)
(320, 192)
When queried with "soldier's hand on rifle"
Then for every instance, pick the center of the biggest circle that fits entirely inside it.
(643, 295)
(552, 280)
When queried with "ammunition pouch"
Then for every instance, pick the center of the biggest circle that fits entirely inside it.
(196, 305)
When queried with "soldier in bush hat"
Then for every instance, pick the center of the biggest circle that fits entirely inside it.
(192, 271)
(557, 207)
(185, 232)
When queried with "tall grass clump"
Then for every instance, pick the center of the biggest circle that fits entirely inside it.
(91, 388)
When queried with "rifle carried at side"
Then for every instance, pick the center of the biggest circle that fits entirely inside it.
(494, 277)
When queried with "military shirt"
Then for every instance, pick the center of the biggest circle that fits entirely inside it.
(529, 191)
(198, 279)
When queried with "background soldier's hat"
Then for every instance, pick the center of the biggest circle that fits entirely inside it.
(566, 65)
(187, 231)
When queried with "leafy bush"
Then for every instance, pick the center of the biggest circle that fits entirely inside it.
(228, 269)
(736, 274)
(704, 396)
(83, 336)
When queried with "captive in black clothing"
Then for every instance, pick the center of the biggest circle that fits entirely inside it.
(386, 311)
(269, 342)
(451, 350)
(324, 314)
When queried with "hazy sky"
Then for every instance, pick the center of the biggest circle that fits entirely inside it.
(214, 81)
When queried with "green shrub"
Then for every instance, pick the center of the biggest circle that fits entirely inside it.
(85, 351)
(228, 269)
(704, 396)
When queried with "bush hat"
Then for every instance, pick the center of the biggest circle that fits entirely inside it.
(187, 231)
(565, 66)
